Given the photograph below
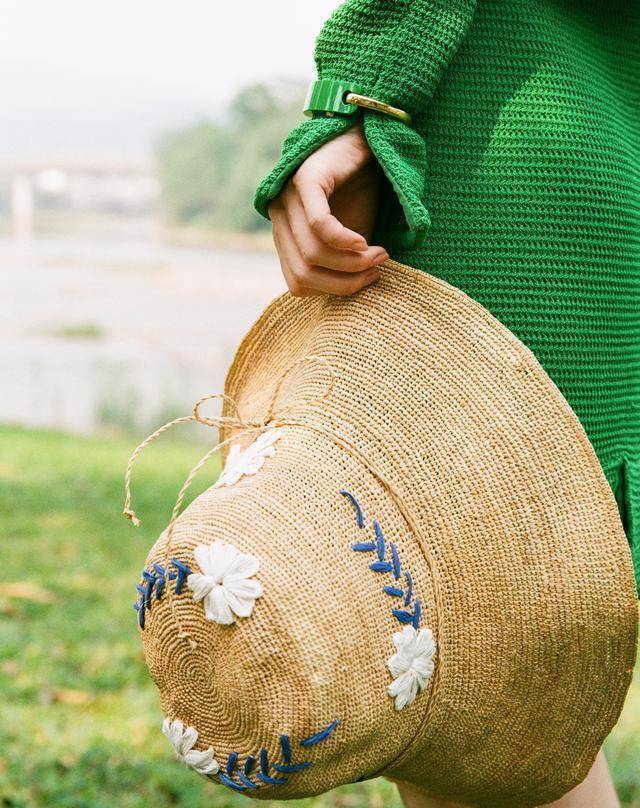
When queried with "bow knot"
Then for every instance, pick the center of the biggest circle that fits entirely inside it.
(241, 427)
(235, 421)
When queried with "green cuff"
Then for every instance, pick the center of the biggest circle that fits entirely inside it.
(404, 219)
(401, 152)
(396, 52)
(302, 141)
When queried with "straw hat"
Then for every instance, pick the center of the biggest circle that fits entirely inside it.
(412, 564)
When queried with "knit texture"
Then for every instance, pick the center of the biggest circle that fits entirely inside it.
(396, 52)
(524, 150)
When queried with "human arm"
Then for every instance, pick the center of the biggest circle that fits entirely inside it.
(395, 51)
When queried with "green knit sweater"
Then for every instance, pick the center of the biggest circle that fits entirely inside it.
(518, 181)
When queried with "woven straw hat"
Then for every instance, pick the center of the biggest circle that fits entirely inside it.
(412, 564)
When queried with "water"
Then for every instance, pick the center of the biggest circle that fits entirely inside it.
(125, 332)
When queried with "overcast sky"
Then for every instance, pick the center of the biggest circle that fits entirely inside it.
(107, 75)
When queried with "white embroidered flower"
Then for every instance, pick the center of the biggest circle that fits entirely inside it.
(225, 584)
(412, 665)
(249, 460)
(183, 740)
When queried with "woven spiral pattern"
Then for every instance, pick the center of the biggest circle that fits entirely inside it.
(516, 552)
(525, 151)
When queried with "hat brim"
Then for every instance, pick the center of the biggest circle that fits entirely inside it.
(531, 571)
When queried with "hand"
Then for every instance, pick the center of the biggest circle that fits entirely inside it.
(324, 216)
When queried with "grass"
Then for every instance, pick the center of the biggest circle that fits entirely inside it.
(79, 716)
(80, 331)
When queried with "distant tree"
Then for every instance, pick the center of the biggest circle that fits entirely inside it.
(253, 103)
(208, 171)
(189, 170)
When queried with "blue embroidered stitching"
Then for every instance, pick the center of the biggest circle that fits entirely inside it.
(312, 740)
(357, 507)
(157, 581)
(379, 546)
(287, 766)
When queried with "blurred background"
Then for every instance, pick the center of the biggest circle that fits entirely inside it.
(132, 136)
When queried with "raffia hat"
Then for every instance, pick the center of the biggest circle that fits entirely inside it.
(412, 564)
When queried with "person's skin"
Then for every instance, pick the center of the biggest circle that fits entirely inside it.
(322, 224)
(595, 791)
(323, 219)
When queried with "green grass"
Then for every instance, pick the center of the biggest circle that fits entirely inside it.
(79, 331)
(79, 716)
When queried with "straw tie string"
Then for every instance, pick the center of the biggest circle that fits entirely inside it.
(244, 427)
(275, 416)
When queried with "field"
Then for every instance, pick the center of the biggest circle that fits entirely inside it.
(79, 717)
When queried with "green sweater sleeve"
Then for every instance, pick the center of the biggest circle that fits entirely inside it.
(396, 51)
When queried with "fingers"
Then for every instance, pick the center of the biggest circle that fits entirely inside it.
(283, 249)
(315, 252)
(336, 283)
(304, 279)
(315, 200)
(320, 216)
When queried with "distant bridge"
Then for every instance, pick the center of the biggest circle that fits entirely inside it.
(77, 183)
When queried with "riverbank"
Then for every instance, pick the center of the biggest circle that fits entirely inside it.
(118, 329)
